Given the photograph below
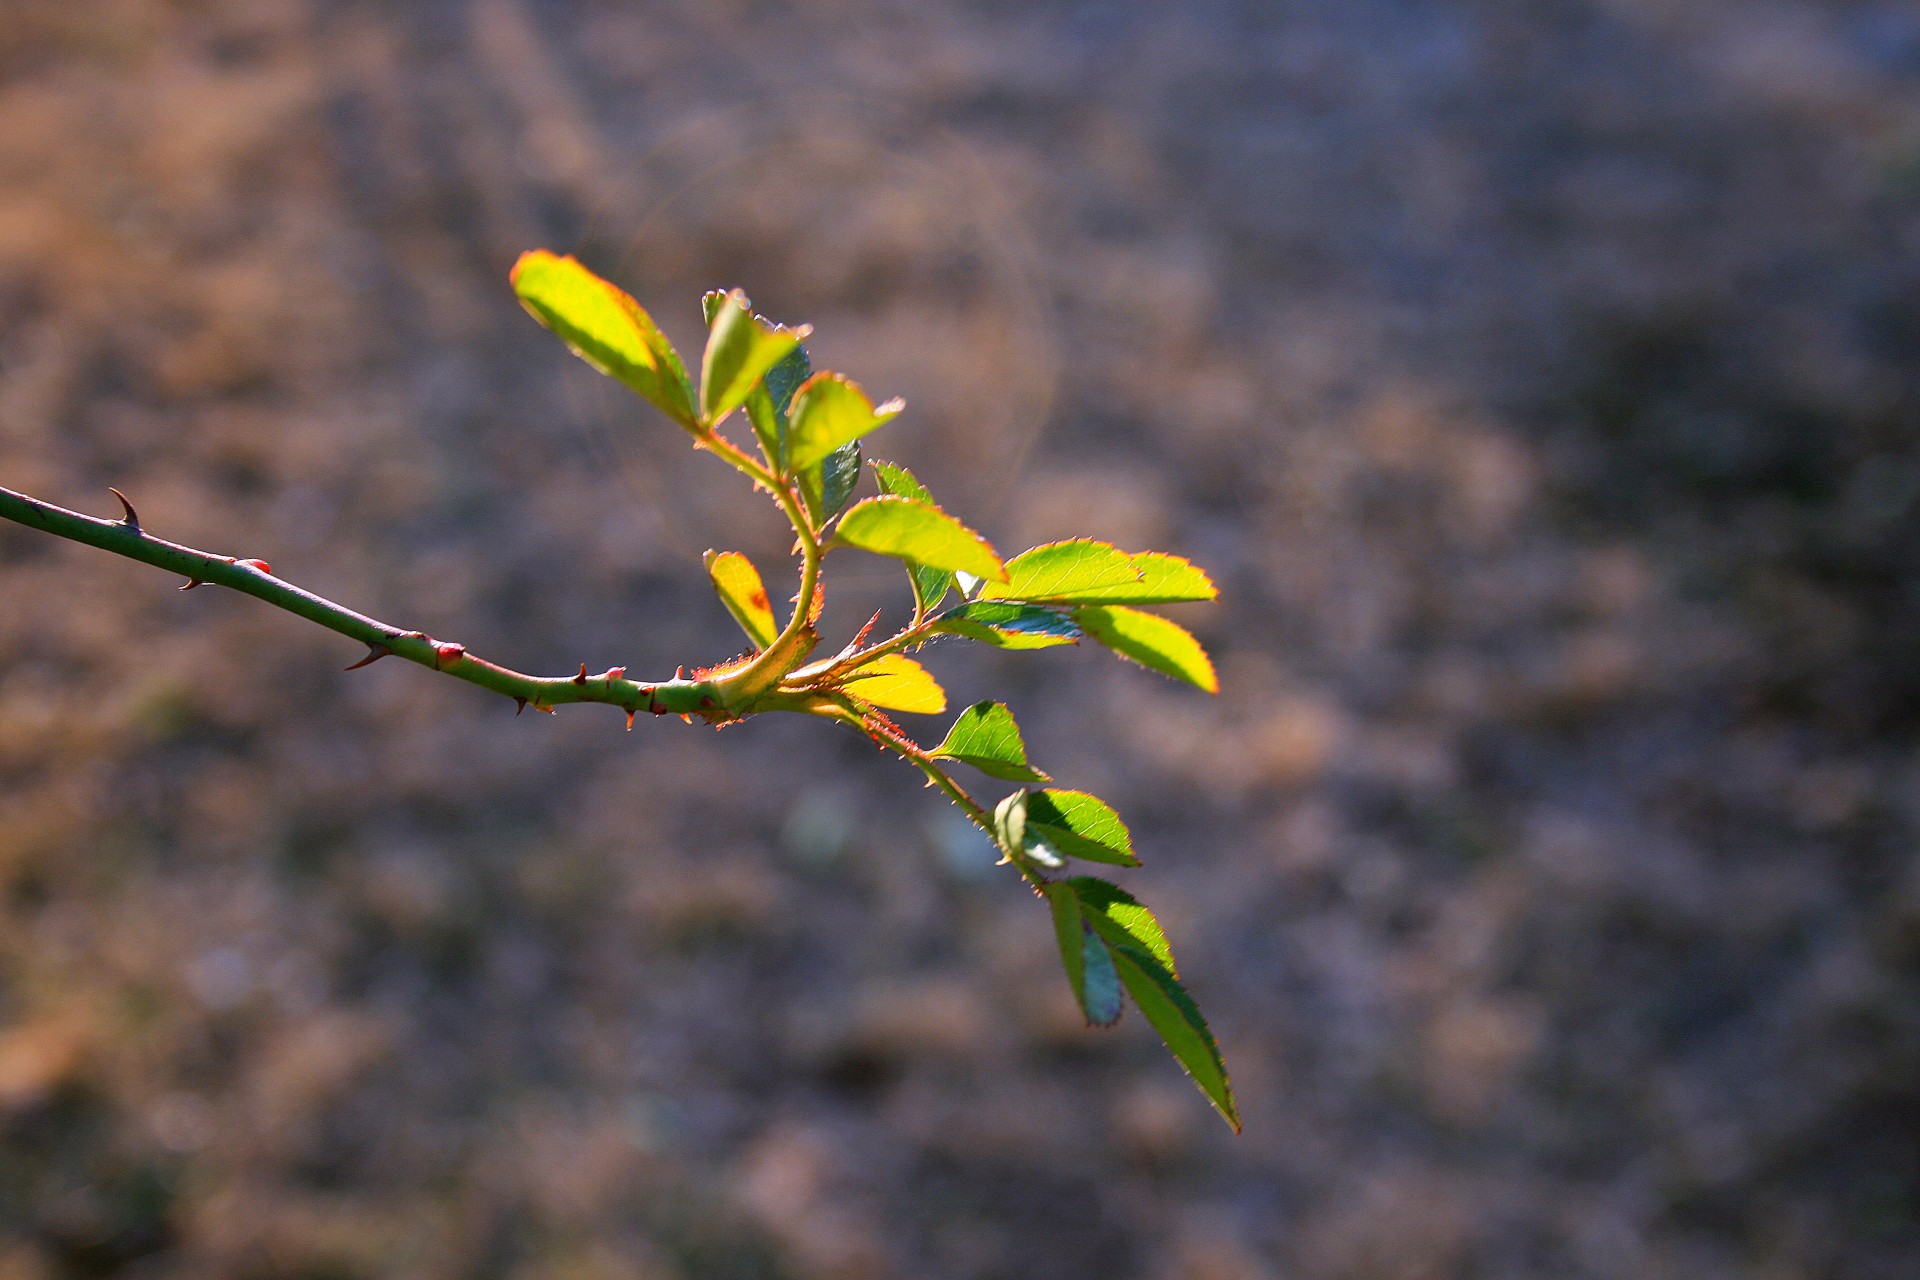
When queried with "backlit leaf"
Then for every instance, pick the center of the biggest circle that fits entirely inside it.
(1062, 571)
(986, 737)
(1151, 641)
(917, 532)
(1075, 824)
(738, 585)
(897, 683)
(771, 399)
(1123, 919)
(1163, 579)
(929, 585)
(1089, 966)
(1172, 1013)
(604, 327)
(828, 412)
(741, 348)
(1006, 625)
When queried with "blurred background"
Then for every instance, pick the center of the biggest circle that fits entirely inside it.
(1540, 381)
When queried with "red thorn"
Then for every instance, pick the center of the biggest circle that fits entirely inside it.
(630, 716)
(861, 638)
(261, 565)
(685, 718)
(445, 653)
(543, 707)
(679, 673)
(375, 652)
(192, 583)
(522, 707)
(582, 677)
(132, 519)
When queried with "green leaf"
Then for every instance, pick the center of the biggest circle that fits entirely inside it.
(1151, 641)
(986, 737)
(1062, 571)
(1087, 572)
(897, 684)
(770, 400)
(919, 533)
(1089, 966)
(828, 412)
(1172, 1013)
(1075, 824)
(826, 486)
(1006, 625)
(738, 585)
(1123, 919)
(606, 328)
(929, 585)
(741, 348)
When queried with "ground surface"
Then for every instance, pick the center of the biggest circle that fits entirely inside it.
(1538, 379)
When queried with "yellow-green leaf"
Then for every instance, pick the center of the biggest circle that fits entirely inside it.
(741, 348)
(986, 737)
(919, 533)
(1062, 570)
(1151, 641)
(1163, 579)
(897, 683)
(930, 586)
(604, 327)
(829, 411)
(738, 585)
(1006, 625)
(1076, 824)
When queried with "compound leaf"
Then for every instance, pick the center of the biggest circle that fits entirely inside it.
(919, 533)
(1089, 966)
(986, 737)
(741, 348)
(604, 327)
(738, 585)
(828, 412)
(1007, 625)
(1150, 640)
(897, 683)
(930, 586)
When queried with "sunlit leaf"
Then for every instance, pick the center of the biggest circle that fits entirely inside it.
(741, 348)
(1163, 579)
(829, 411)
(1151, 641)
(929, 585)
(1062, 571)
(738, 585)
(1006, 625)
(986, 737)
(604, 327)
(897, 683)
(1172, 1013)
(1089, 966)
(1075, 824)
(917, 532)
(1123, 919)
(826, 486)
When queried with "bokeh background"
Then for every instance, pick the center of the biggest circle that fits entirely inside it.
(1540, 380)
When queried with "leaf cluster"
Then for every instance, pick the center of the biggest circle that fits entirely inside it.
(802, 443)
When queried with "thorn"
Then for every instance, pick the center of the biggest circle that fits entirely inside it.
(522, 707)
(685, 718)
(375, 652)
(861, 638)
(630, 716)
(543, 707)
(679, 673)
(192, 583)
(261, 565)
(132, 518)
(582, 677)
(615, 673)
(445, 653)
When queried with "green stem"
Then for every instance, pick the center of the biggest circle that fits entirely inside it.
(126, 538)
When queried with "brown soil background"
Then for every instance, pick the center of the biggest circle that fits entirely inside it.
(1540, 380)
